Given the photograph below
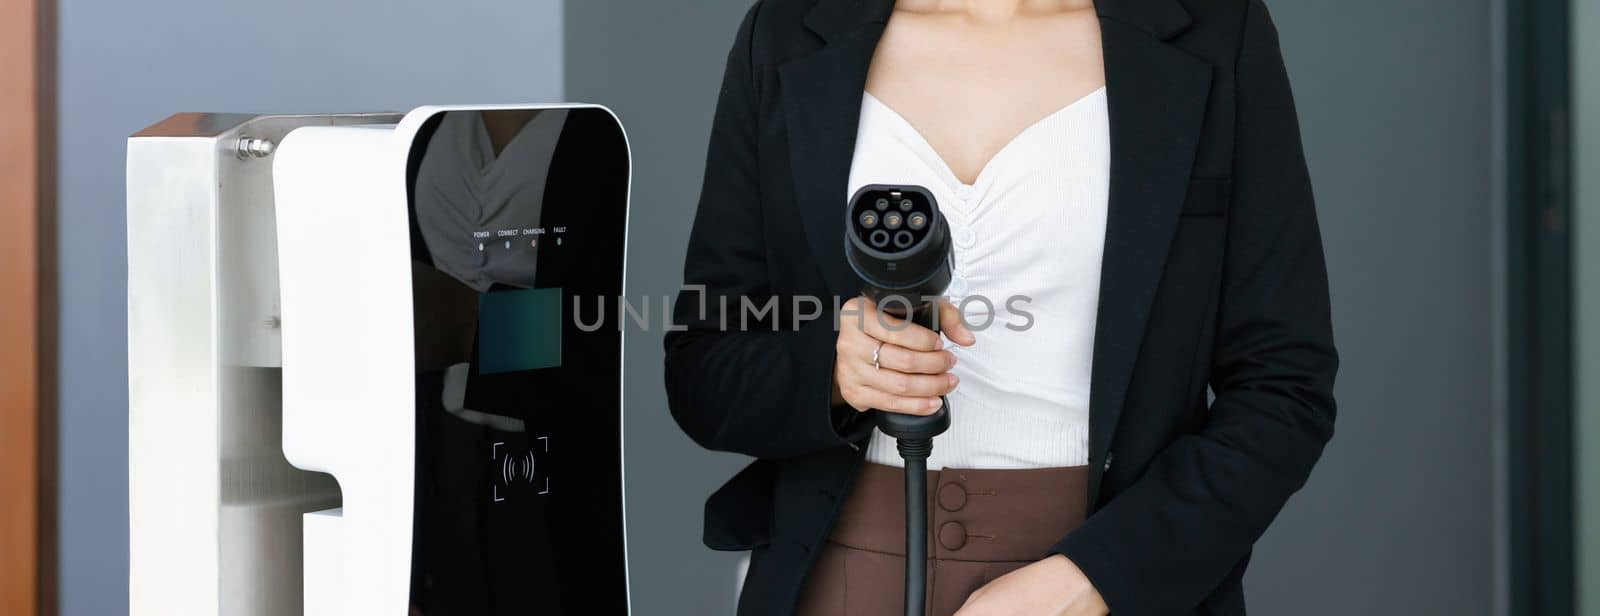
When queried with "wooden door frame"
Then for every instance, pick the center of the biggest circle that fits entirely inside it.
(27, 307)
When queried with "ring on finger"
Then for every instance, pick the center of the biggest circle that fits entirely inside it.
(875, 352)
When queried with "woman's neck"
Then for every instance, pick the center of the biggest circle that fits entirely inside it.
(992, 10)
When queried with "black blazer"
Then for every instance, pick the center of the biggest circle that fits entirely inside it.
(1213, 276)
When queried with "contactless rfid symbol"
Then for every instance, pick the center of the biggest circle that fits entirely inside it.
(519, 471)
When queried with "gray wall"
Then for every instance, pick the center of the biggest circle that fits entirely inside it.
(1395, 106)
(1394, 97)
(658, 65)
(125, 65)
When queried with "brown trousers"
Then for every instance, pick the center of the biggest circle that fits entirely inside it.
(982, 524)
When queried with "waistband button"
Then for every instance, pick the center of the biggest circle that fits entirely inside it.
(952, 497)
(952, 535)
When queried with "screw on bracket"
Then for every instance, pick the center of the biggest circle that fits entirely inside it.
(253, 147)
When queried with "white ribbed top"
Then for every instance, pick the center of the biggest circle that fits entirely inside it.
(1032, 225)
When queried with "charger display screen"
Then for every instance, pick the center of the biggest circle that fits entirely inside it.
(519, 329)
(517, 219)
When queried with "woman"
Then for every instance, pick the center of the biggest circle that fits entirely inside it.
(1133, 168)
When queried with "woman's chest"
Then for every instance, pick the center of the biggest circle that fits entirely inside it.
(970, 88)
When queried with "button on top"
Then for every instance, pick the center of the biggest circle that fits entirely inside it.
(952, 497)
(965, 237)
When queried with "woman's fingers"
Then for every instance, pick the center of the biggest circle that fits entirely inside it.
(894, 330)
(912, 372)
(898, 383)
(901, 359)
(889, 328)
(951, 323)
(870, 398)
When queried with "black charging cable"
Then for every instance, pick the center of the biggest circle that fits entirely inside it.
(913, 438)
(898, 243)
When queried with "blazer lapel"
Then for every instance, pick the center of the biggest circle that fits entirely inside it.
(822, 104)
(1156, 98)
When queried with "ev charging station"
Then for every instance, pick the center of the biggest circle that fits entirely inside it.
(368, 368)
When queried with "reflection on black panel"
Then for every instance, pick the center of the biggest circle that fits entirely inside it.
(519, 481)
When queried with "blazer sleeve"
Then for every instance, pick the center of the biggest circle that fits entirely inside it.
(739, 382)
(1162, 545)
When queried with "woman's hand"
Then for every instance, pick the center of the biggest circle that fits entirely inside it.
(913, 366)
(1051, 587)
